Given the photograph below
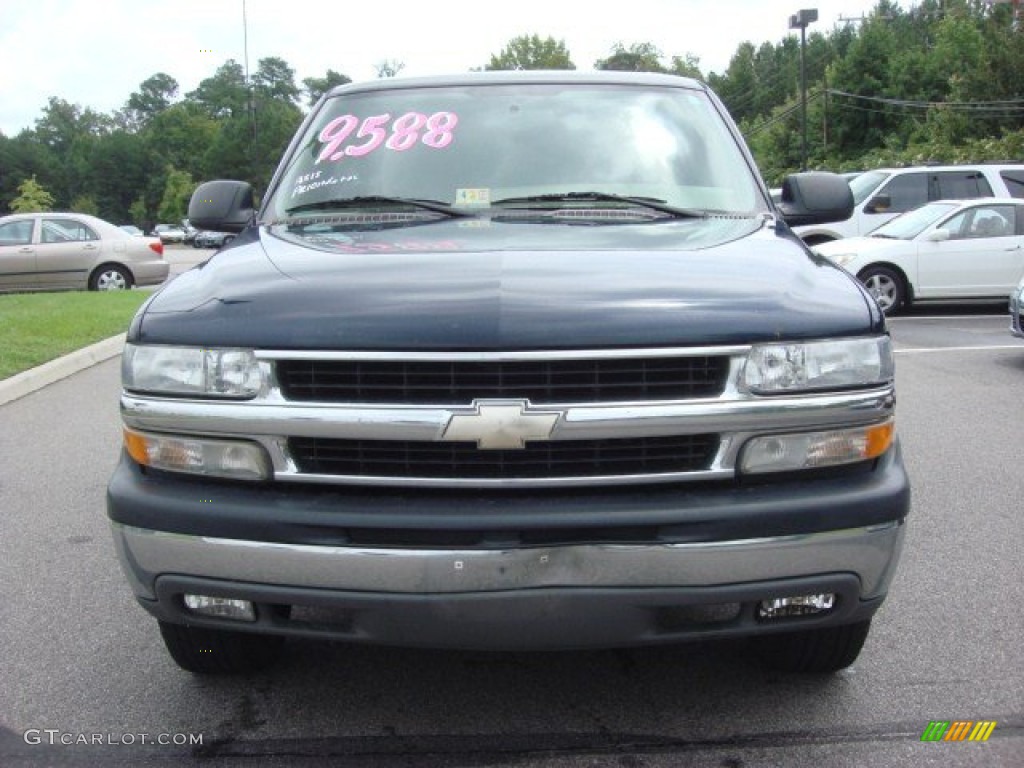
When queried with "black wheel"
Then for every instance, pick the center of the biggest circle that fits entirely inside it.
(110, 277)
(219, 652)
(886, 286)
(816, 651)
(226, 240)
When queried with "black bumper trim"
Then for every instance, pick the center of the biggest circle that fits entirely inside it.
(515, 620)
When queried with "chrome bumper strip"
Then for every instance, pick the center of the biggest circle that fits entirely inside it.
(869, 553)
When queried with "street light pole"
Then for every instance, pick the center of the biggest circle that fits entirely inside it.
(800, 20)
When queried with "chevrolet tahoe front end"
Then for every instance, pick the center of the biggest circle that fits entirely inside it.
(435, 396)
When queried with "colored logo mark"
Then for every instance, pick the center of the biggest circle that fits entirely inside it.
(958, 730)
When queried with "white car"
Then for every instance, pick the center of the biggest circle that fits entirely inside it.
(880, 195)
(946, 250)
(1017, 310)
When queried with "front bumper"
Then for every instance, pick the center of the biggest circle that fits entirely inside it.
(689, 562)
(545, 598)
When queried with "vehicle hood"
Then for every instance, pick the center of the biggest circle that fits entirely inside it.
(481, 284)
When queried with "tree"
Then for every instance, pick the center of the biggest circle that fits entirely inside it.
(155, 94)
(85, 204)
(225, 94)
(318, 86)
(138, 213)
(177, 192)
(532, 52)
(31, 198)
(274, 79)
(686, 66)
(639, 57)
(180, 135)
(389, 68)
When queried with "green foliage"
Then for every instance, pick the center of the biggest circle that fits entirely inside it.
(389, 68)
(85, 204)
(153, 97)
(532, 52)
(274, 79)
(138, 213)
(31, 198)
(177, 192)
(318, 86)
(638, 57)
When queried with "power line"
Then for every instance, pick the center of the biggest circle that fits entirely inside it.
(978, 106)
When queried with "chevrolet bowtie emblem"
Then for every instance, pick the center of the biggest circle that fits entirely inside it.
(498, 424)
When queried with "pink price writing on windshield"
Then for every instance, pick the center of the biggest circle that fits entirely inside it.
(437, 133)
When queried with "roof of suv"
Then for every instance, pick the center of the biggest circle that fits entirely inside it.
(521, 76)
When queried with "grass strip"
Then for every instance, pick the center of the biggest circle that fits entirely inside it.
(38, 327)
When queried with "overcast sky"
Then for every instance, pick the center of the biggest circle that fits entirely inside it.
(96, 52)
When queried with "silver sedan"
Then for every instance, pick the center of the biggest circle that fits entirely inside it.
(59, 251)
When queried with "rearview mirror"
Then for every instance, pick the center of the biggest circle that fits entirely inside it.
(815, 197)
(222, 206)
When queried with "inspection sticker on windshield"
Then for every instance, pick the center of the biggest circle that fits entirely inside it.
(406, 131)
(473, 196)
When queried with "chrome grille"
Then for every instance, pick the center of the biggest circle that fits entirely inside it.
(464, 461)
(455, 382)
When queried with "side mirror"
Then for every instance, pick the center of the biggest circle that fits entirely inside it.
(222, 206)
(937, 236)
(815, 197)
(878, 204)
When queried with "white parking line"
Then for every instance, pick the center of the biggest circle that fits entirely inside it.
(917, 350)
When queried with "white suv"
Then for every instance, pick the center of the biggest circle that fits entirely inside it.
(884, 193)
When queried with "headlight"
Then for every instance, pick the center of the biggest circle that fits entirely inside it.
(191, 371)
(842, 259)
(800, 367)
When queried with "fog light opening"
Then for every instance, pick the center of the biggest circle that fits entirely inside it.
(221, 607)
(798, 605)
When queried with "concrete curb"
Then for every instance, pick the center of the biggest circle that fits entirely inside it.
(29, 381)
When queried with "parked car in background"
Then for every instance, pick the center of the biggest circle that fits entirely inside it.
(946, 250)
(131, 229)
(207, 239)
(1017, 310)
(189, 230)
(883, 194)
(57, 251)
(169, 233)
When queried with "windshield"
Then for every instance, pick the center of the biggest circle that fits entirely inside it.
(864, 184)
(473, 145)
(912, 223)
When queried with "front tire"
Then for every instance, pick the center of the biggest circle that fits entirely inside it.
(886, 286)
(110, 277)
(814, 651)
(219, 652)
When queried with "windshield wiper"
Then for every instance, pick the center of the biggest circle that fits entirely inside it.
(355, 202)
(652, 203)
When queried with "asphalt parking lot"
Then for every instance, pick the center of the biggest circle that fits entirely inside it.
(80, 658)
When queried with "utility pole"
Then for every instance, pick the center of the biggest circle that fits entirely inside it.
(800, 20)
(250, 105)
